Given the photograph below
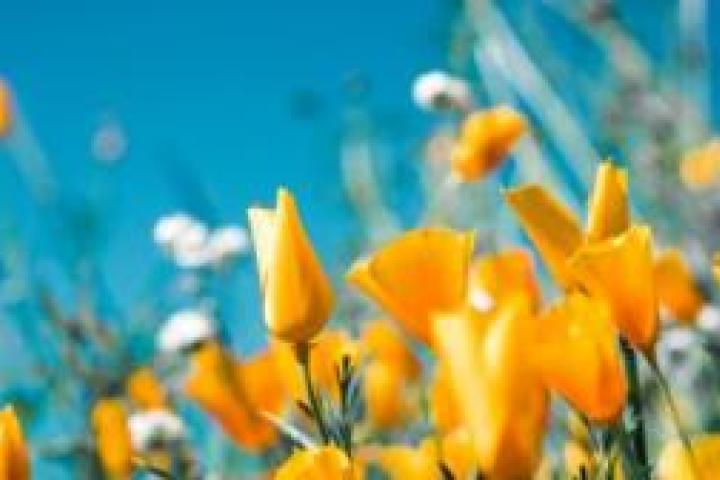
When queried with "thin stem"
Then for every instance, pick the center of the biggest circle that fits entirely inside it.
(302, 351)
(638, 441)
(675, 415)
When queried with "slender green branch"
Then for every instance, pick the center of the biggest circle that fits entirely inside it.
(675, 415)
(637, 434)
(303, 356)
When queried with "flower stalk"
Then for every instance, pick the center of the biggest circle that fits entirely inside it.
(637, 433)
(302, 351)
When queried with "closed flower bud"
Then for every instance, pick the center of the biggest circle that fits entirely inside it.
(297, 295)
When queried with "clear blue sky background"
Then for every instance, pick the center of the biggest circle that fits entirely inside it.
(210, 84)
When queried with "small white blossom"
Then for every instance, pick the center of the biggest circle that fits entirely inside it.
(437, 90)
(228, 242)
(708, 319)
(154, 427)
(169, 228)
(183, 329)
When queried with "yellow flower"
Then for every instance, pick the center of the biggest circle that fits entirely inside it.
(298, 298)
(325, 463)
(454, 451)
(676, 287)
(14, 459)
(620, 271)
(499, 394)
(6, 115)
(380, 341)
(486, 139)
(675, 464)
(145, 390)
(608, 212)
(550, 225)
(112, 438)
(236, 393)
(390, 376)
(443, 401)
(577, 459)
(578, 357)
(505, 274)
(401, 462)
(700, 167)
(420, 273)
(554, 229)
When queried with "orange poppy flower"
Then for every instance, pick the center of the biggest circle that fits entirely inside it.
(145, 390)
(14, 458)
(112, 438)
(676, 287)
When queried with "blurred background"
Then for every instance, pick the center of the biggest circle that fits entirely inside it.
(125, 113)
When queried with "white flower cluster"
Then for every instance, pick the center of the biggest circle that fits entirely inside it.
(191, 244)
(185, 328)
(154, 427)
(438, 90)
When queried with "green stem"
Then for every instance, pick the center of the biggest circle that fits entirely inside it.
(638, 442)
(303, 355)
(675, 415)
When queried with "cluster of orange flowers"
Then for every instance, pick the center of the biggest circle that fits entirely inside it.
(498, 350)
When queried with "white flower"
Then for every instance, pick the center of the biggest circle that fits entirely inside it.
(437, 90)
(168, 228)
(228, 242)
(709, 319)
(154, 427)
(184, 329)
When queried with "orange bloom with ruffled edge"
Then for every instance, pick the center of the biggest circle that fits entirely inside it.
(14, 458)
(578, 357)
(486, 139)
(620, 271)
(112, 438)
(677, 289)
(611, 260)
(145, 390)
(420, 273)
(237, 394)
(298, 298)
(500, 396)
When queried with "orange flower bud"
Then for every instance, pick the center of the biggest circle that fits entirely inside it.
(145, 390)
(325, 463)
(298, 298)
(112, 438)
(486, 139)
(676, 287)
(14, 459)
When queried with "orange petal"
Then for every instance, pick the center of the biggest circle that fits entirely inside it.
(620, 271)
(14, 458)
(550, 225)
(422, 272)
(145, 390)
(112, 438)
(578, 357)
(676, 287)
(499, 394)
(608, 212)
(674, 463)
(505, 274)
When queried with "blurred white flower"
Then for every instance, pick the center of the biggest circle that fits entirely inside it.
(168, 228)
(191, 245)
(225, 243)
(156, 427)
(438, 90)
(708, 320)
(184, 329)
